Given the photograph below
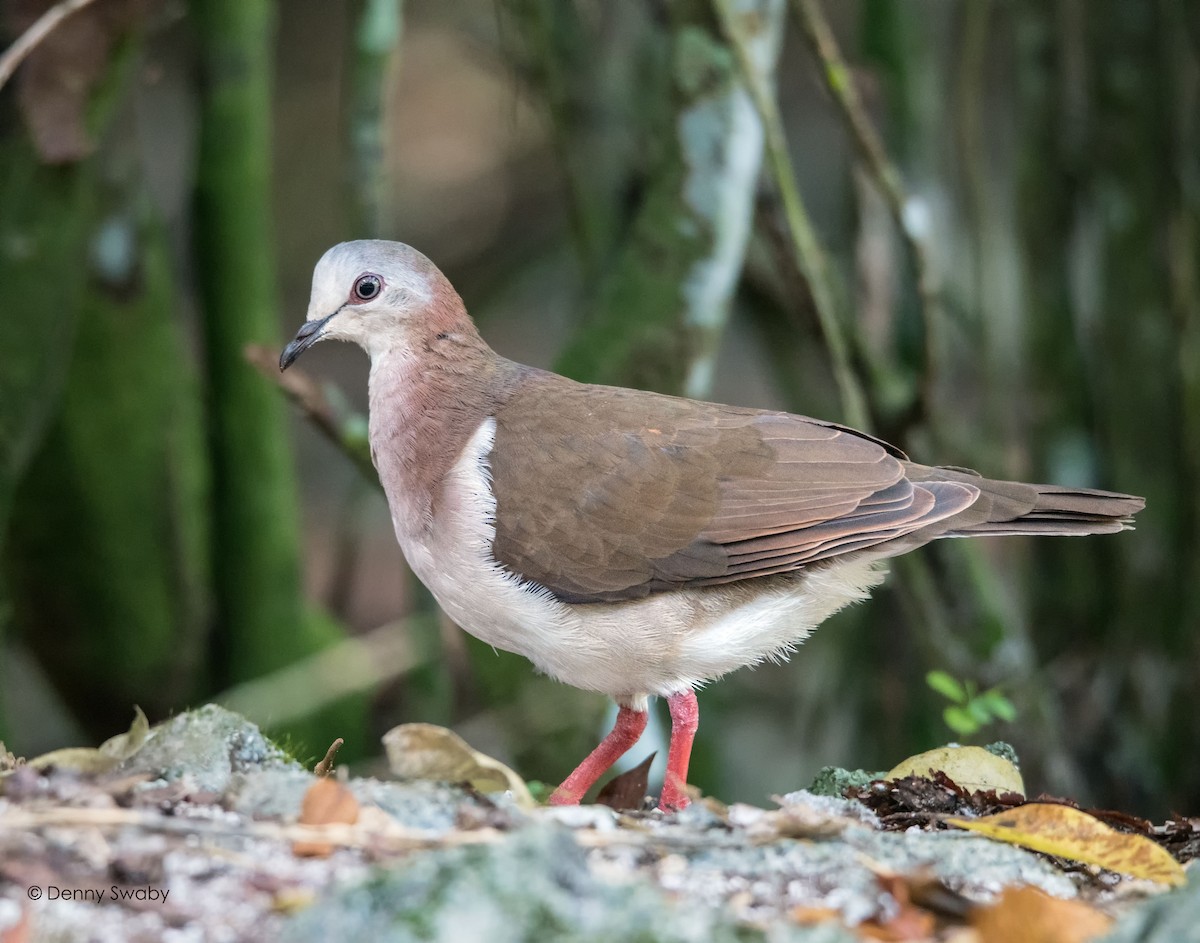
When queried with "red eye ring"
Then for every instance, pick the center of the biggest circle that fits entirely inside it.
(367, 287)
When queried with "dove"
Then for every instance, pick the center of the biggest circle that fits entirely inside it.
(626, 542)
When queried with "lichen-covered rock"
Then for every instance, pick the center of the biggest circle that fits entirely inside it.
(1171, 918)
(535, 886)
(834, 781)
(206, 747)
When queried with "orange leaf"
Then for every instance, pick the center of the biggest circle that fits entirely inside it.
(1032, 916)
(810, 916)
(327, 802)
(1069, 833)
(909, 923)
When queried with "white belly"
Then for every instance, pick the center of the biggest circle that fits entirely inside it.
(659, 645)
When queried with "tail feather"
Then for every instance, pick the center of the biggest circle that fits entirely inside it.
(1007, 508)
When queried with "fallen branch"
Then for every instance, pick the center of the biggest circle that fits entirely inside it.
(344, 429)
(325, 767)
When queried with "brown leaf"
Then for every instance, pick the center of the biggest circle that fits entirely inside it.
(628, 790)
(910, 922)
(327, 802)
(1032, 916)
(55, 83)
(924, 800)
(810, 916)
(1066, 832)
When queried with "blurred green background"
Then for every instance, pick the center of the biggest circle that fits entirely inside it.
(972, 226)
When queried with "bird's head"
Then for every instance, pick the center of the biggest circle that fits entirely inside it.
(377, 294)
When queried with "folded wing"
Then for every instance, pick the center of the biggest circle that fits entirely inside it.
(648, 493)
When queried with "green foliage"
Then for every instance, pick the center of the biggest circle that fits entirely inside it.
(117, 612)
(539, 790)
(970, 710)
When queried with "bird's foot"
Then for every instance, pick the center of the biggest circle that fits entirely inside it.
(564, 796)
(674, 795)
(625, 733)
(685, 718)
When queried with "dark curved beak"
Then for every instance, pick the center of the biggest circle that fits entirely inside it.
(309, 334)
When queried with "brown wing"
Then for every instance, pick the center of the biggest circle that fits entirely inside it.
(605, 494)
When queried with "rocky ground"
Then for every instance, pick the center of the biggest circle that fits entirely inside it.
(202, 830)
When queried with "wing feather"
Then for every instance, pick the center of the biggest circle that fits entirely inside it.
(651, 492)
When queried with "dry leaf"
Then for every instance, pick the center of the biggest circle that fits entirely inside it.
(628, 790)
(810, 916)
(1069, 833)
(96, 760)
(910, 922)
(972, 768)
(1032, 916)
(427, 751)
(55, 83)
(8, 761)
(327, 802)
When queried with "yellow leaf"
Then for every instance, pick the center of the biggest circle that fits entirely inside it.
(427, 751)
(1069, 833)
(972, 768)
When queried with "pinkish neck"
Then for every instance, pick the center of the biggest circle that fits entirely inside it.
(423, 410)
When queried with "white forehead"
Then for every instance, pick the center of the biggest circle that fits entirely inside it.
(403, 269)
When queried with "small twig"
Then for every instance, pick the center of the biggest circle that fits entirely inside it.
(305, 392)
(841, 85)
(325, 767)
(379, 833)
(810, 256)
(15, 54)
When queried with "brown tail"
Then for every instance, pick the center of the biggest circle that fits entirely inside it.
(1013, 507)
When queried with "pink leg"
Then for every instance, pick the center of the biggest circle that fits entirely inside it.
(685, 718)
(625, 733)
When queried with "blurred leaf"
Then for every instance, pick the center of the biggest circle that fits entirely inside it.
(1033, 916)
(1000, 706)
(8, 760)
(426, 751)
(1069, 833)
(55, 83)
(628, 790)
(979, 712)
(327, 802)
(959, 720)
(904, 921)
(95, 760)
(946, 685)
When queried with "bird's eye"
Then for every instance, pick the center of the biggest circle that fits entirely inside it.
(367, 287)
